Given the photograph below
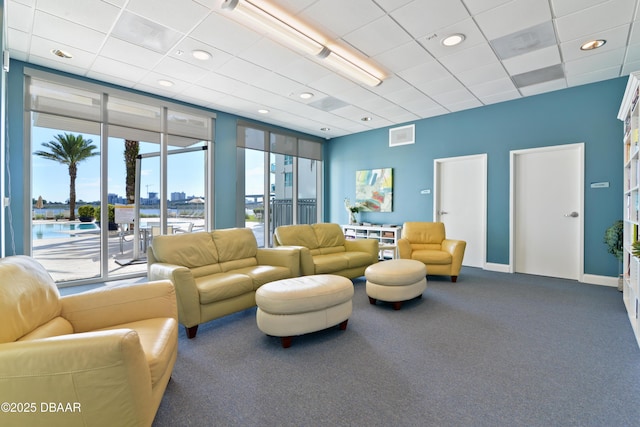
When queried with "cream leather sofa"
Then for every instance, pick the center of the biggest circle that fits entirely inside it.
(324, 249)
(96, 358)
(217, 273)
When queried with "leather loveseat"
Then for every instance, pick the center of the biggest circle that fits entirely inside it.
(217, 273)
(325, 250)
(96, 358)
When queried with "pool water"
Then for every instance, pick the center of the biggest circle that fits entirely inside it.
(60, 230)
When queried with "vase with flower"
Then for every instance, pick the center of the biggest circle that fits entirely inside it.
(352, 210)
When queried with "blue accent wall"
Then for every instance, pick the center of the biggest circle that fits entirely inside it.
(579, 114)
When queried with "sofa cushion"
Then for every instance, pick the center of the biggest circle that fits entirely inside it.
(357, 259)
(32, 304)
(235, 243)
(432, 257)
(221, 286)
(423, 232)
(261, 274)
(187, 249)
(53, 328)
(328, 235)
(297, 235)
(330, 263)
(236, 264)
(158, 338)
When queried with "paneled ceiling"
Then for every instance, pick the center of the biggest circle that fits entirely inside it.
(512, 49)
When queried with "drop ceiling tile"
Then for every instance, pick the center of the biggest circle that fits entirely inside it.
(567, 7)
(595, 62)
(453, 97)
(220, 83)
(513, 16)
(633, 53)
(129, 53)
(377, 37)
(199, 95)
(181, 70)
(181, 15)
(73, 35)
(390, 85)
(118, 69)
(630, 67)
(390, 5)
(544, 87)
(405, 96)
(606, 15)
(616, 38)
(336, 18)
(149, 83)
(51, 62)
(19, 42)
(268, 54)
(532, 61)
(281, 85)
(21, 17)
(431, 70)
(634, 38)
(403, 57)
(479, 75)
(436, 87)
(500, 97)
(302, 70)
(240, 69)
(91, 13)
(110, 79)
(467, 27)
(479, 6)
(184, 52)
(594, 76)
(421, 17)
(469, 58)
(464, 105)
(227, 35)
(489, 88)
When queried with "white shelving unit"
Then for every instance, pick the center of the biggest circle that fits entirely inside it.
(629, 114)
(387, 237)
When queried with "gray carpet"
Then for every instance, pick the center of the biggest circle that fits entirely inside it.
(493, 349)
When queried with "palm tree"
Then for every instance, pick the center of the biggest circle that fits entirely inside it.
(131, 151)
(69, 150)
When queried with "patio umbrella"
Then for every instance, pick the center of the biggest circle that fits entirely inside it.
(39, 203)
(196, 200)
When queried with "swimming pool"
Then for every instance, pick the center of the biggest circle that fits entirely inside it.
(57, 230)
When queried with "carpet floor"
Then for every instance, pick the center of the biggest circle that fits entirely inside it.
(493, 349)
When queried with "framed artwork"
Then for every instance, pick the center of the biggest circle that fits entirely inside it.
(374, 190)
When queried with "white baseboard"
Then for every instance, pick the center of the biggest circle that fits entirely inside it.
(600, 280)
(501, 268)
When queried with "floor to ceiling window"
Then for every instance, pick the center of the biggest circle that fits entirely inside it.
(291, 169)
(109, 170)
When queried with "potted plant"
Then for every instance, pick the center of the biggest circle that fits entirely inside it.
(111, 216)
(86, 213)
(613, 238)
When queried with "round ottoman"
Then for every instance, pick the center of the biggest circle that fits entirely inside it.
(301, 305)
(395, 281)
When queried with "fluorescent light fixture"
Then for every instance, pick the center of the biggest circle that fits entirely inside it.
(593, 44)
(296, 34)
(351, 70)
(275, 25)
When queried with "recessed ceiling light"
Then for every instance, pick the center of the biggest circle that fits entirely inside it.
(453, 40)
(165, 83)
(593, 44)
(306, 95)
(201, 55)
(61, 53)
(325, 129)
(366, 119)
(263, 111)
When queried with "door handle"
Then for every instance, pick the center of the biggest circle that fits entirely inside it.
(442, 213)
(573, 214)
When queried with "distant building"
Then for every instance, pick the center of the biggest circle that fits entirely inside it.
(177, 196)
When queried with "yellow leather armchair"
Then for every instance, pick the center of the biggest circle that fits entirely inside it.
(427, 242)
(90, 359)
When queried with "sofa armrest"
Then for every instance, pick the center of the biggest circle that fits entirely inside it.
(113, 305)
(188, 296)
(363, 245)
(456, 249)
(404, 248)
(105, 374)
(282, 256)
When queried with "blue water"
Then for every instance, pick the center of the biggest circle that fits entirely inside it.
(59, 230)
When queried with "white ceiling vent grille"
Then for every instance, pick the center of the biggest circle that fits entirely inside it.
(402, 135)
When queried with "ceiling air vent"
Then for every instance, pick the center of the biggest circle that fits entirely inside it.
(402, 135)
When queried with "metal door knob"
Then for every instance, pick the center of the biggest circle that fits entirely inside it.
(573, 214)
(442, 213)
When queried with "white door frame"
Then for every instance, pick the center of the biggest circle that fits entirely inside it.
(512, 214)
(483, 213)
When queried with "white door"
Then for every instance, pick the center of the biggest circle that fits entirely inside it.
(460, 202)
(547, 187)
